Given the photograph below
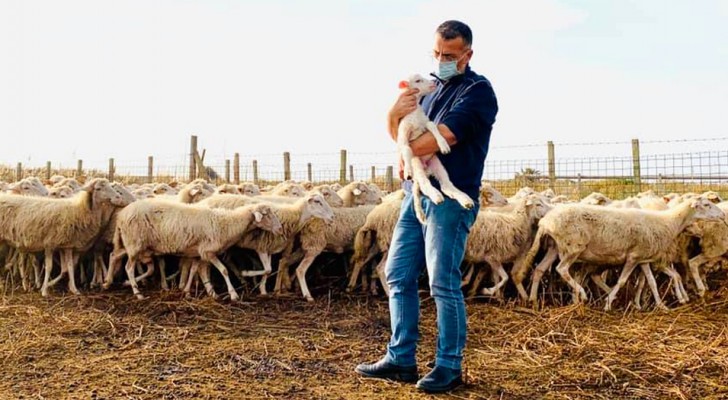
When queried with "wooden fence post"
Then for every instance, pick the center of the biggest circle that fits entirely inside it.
(552, 165)
(227, 171)
(150, 169)
(112, 170)
(193, 153)
(374, 173)
(19, 172)
(309, 171)
(255, 171)
(286, 166)
(48, 170)
(636, 170)
(79, 168)
(342, 168)
(236, 168)
(351, 173)
(390, 179)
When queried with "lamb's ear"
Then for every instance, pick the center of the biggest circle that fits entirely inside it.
(258, 216)
(403, 84)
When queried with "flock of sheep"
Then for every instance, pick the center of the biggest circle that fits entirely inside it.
(71, 228)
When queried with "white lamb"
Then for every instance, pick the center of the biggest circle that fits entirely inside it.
(412, 126)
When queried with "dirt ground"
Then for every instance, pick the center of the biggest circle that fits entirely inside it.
(110, 346)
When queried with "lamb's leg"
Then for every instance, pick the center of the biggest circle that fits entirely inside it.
(438, 170)
(68, 259)
(441, 141)
(48, 268)
(221, 267)
(627, 269)
(267, 261)
(647, 272)
(498, 269)
(420, 175)
(563, 270)
(695, 263)
(301, 274)
(538, 272)
(679, 288)
(130, 267)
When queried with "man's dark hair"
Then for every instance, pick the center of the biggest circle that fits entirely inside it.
(454, 29)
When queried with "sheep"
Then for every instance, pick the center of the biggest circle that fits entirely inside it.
(142, 193)
(498, 238)
(354, 194)
(55, 179)
(374, 238)
(374, 195)
(289, 189)
(293, 218)
(561, 199)
(490, 196)
(521, 193)
(307, 185)
(227, 188)
(331, 196)
(317, 237)
(60, 192)
(610, 236)
(713, 245)
(596, 199)
(194, 192)
(249, 189)
(412, 126)
(157, 227)
(164, 189)
(43, 224)
(70, 182)
(28, 187)
(336, 187)
(549, 194)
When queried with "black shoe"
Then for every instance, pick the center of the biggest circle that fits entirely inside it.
(383, 369)
(440, 380)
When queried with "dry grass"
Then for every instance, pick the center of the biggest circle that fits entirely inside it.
(111, 346)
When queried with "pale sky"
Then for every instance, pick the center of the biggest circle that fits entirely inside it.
(127, 79)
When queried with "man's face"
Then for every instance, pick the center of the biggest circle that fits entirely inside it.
(452, 50)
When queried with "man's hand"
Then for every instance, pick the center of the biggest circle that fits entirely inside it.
(405, 104)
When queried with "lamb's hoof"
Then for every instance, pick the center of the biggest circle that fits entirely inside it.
(444, 147)
(234, 297)
(309, 299)
(662, 308)
(487, 292)
(75, 292)
(437, 198)
(141, 297)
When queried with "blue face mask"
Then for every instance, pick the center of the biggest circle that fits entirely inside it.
(447, 69)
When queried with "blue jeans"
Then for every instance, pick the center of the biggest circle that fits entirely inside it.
(440, 245)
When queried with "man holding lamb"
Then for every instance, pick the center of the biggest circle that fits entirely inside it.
(463, 108)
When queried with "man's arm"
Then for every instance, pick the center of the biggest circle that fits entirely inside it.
(426, 144)
(405, 104)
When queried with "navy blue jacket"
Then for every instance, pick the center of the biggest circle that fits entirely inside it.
(466, 104)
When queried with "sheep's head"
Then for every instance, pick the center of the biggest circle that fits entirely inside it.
(293, 190)
(317, 207)
(416, 81)
(60, 192)
(264, 218)
(199, 191)
(329, 195)
(308, 185)
(102, 192)
(227, 188)
(705, 209)
(142, 193)
(359, 190)
(126, 196)
(249, 189)
(70, 182)
(713, 196)
(55, 179)
(163, 189)
(490, 196)
(28, 187)
(596, 199)
(375, 194)
(560, 199)
(537, 206)
(523, 192)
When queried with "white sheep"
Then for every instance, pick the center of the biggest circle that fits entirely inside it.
(28, 187)
(164, 189)
(227, 188)
(249, 189)
(156, 227)
(288, 188)
(38, 224)
(412, 126)
(354, 194)
(713, 246)
(609, 236)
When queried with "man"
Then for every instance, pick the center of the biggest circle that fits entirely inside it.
(464, 108)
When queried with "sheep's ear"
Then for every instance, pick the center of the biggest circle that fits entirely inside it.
(529, 202)
(258, 216)
(89, 186)
(666, 199)
(194, 192)
(403, 84)
(356, 192)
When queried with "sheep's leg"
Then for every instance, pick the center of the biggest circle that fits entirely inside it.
(37, 271)
(382, 275)
(221, 267)
(638, 292)
(301, 274)
(598, 279)
(23, 260)
(420, 175)
(97, 277)
(114, 266)
(130, 268)
(68, 259)
(191, 277)
(678, 287)
(64, 270)
(163, 273)
(267, 261)
(498, 269)
(695, 263)
(538, 272)
(83, 276)
(356, 271)
(147, 273)
(647, 272)
(627, 269)
(204, 272)
(438, 170)
(441, 141)
(469, 269)
(184, 267)
(477, 280)
(563, 270)
(48, 268)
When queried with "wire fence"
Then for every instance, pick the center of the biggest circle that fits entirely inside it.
(703, 168)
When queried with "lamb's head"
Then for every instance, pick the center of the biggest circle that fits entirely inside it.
(416, 81)
(596, 199)
(490, 196)
(705, 209)
(537, 206)
(60, 192)
(249, 189)
(101, 192)
(227, 188)
(264, 218)
(329, 195)
(315, 206)
(126, 196)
